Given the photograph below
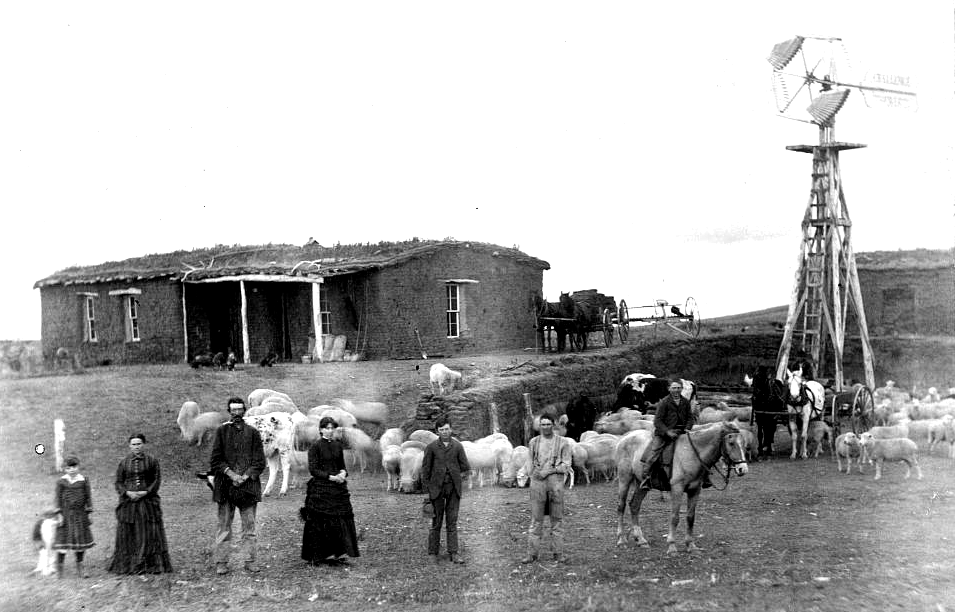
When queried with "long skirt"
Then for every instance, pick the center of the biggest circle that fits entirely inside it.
(140, 548)
(327, 537)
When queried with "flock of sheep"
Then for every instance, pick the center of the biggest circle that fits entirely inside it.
(288, 432)
(901, 422)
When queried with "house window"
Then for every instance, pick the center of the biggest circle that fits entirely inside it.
(325, 313)
(454, 311)
(90, 318)
(132, 319)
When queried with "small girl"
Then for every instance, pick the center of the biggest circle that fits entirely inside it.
(74, 502)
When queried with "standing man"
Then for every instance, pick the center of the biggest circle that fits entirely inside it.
(550, 461)
(237, 460)
(441, 469)
(674, 416)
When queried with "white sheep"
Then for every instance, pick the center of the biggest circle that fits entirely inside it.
(847, 447)
(394, 436)
(515, 467)
(893, 449)
(359, 447)
(600, 455)
(412, 456)
(423, 435)
(445, 378)
(273, 403)
(367, 412)
(259, 395)
(619, 423)
(483, 457)
(818, 432)
(342, 417)
(391, 463)
(196, 427)
(884, 432)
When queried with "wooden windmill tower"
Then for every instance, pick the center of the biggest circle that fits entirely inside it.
(826, 287)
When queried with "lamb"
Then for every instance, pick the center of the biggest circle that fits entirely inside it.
(893, 449)
(847, 447)
(445, 378)
(514, 472)
(366, 412)
(195, 427)
(391, 462)
(259, 395)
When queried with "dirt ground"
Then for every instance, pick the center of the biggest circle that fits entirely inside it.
(791, 535)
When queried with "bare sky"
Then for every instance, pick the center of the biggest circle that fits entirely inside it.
(636, 148)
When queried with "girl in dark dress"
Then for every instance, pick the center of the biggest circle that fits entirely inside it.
(329, 535)
(74, 503)
(140, 535)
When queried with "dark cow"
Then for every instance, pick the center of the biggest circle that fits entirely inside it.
(641, 394)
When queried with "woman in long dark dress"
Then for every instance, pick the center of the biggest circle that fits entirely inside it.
(329, 535)
(140, 536)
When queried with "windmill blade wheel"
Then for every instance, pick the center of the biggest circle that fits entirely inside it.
(692, 324)
(623, 321)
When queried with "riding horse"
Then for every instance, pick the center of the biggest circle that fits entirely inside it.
(769, 406)
(805, 402)
(694, 454)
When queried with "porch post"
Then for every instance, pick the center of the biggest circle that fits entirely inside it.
(185, 326)
(246, 358)
(317, 321)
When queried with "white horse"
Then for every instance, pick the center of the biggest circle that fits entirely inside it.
(805, 402)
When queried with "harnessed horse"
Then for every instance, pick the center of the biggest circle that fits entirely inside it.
(694, 454)
(769, 406)
(805, 401)
(550, 310)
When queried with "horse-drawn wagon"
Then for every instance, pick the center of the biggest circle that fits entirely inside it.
(579, 314)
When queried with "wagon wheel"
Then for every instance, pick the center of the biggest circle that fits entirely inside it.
(623, 321)
(863, 405)
(834, 416)
(607, 320)
(692, 323)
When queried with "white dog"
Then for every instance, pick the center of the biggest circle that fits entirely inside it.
(44, 536)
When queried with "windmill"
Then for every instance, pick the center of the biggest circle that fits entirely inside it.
(806, 71)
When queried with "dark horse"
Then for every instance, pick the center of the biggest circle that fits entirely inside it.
(769, 407)
(582, 315)
(550, 310)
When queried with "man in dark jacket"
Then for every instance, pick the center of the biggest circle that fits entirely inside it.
(674, 416)
(441, 469)
(237, 460)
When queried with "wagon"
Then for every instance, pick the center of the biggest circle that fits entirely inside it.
(592, 312)
(850, 410)
(685, 320)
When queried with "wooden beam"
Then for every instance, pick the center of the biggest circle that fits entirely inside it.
(317, 322)
(246, 358)
(264, 278)
(185, 326)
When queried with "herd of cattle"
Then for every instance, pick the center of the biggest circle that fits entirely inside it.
(288, 432)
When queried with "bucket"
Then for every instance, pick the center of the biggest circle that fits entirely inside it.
(306, 359)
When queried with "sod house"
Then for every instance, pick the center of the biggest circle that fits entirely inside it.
(387, 300)
(908, 293)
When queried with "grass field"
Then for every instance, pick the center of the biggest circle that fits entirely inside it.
(789, 536)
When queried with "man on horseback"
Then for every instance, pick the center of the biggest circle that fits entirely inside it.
(674, 416)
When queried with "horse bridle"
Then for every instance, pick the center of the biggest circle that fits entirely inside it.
(729, 462)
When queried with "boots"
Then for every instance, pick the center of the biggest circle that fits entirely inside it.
(81, 570)
(59, 564)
